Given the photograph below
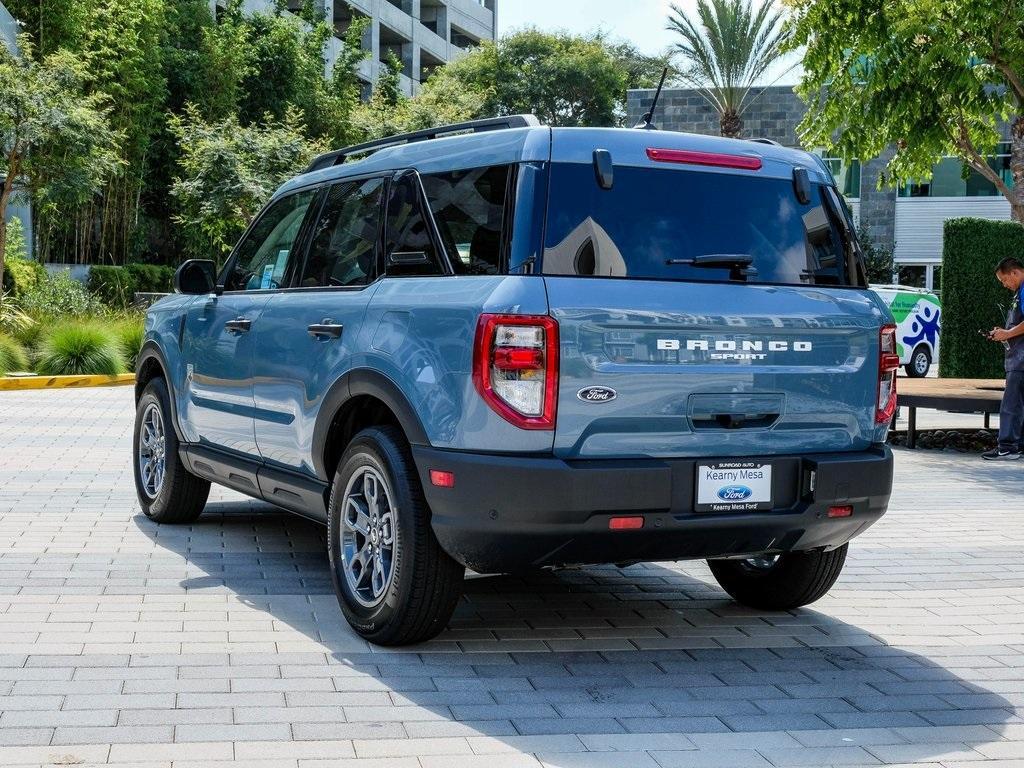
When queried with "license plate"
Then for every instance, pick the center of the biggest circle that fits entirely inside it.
(734, 486)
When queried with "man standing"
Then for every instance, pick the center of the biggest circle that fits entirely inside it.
(1010, 273)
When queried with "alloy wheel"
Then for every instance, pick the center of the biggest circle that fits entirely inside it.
(152, 451)
(368, 536)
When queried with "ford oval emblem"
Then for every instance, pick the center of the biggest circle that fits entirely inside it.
(734, 493)
(597, 394)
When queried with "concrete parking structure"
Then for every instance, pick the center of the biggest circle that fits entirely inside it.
(221, 643)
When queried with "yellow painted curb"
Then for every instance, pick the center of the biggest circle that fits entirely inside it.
(62, 382)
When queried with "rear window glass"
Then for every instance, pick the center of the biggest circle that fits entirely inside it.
(690, 225)
(469, 207)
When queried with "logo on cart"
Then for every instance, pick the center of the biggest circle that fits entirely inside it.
(734, 493)
(597, 394)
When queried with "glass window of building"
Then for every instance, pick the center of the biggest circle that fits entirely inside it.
(948, 179)
(846, 174)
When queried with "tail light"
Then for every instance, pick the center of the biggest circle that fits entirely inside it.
(515, 368)
(888, 362)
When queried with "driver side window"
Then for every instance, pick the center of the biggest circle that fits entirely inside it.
(264, 255)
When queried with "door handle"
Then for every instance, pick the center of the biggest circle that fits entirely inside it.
(238, 325)
(327, 329)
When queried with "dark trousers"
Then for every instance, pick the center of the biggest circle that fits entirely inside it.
(1011, 413)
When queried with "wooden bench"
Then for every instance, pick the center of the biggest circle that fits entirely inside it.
(974, 395)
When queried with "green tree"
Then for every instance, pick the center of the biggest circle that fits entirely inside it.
(55, 135)
(123, 46)
(932, 77)
(564, 79)
(227, 171)
(727, 51)
(878, 260)
(52, 24)
(642, 71)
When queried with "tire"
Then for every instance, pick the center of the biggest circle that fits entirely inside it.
(413, 585)
(920, 362)
(794, 579)
(180, 496)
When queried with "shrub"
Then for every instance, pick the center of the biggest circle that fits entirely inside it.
(114, 286)
(130, 332)
(12, 356)
(972, 298)
(151, 278)
(77, 349)
(16, 245)
(22, 276)
(13, 318)
(60, 295)
(30, 334)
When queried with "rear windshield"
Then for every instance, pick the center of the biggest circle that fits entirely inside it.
(676, 224)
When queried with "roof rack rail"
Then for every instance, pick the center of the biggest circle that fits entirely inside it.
(339, 156)
(763, 140)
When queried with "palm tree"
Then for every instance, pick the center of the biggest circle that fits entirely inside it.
(727, 50)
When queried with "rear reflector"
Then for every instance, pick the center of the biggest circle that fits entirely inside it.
(846, 511)
(717, 159)
(442, 479)
(625, 523)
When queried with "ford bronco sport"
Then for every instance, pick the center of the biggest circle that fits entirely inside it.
(503, 346)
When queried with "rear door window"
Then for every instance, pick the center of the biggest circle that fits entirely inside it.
(693, 225)
(469, 207)
(345, 236)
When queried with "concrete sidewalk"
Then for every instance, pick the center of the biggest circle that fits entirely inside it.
(221, 644)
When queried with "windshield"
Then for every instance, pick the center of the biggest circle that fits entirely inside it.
(691, 225)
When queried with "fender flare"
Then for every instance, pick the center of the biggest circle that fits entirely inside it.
(357, 382)
(151, 352)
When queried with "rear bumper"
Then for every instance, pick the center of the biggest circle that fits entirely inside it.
(507, 513)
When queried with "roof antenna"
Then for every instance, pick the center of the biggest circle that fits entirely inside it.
(646, 122)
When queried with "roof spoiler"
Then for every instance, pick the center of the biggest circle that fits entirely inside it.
(339, 156)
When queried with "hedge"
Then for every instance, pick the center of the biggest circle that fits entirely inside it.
(114, 286)
(22, 275)
(971, 295)
(117, 286)
(151, 278)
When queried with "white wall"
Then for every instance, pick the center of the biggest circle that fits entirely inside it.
(919, 222)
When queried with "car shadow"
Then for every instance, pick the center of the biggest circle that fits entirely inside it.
(643, 650)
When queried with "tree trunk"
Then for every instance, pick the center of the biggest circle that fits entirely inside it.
(730, 124)
(5, 196)
(3, 249)
(1017, 168)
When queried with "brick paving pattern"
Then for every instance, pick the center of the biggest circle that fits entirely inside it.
(221, 644)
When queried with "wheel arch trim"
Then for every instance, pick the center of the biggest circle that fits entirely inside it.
(356, 383)
(151, 353)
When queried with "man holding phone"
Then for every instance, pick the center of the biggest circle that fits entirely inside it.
(1010, 272)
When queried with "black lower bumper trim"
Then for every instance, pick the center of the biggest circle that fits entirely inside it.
(507, 513)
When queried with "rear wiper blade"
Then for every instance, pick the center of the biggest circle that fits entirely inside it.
(715, 260)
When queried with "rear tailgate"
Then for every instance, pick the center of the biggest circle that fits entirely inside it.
(660, 368)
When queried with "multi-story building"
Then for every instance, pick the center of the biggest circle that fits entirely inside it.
(907, 220)
(422, 34)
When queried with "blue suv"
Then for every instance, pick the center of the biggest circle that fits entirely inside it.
(503, 346)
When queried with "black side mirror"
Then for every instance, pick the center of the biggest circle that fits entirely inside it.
(196, 276)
